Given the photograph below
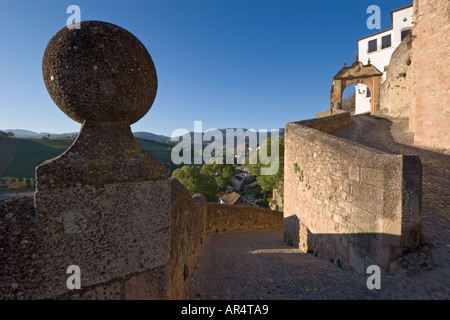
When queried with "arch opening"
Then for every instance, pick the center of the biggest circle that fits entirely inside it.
(367, 77)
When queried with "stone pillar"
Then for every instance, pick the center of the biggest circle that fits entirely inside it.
(105, 204)
(376, 83)
(336, 99)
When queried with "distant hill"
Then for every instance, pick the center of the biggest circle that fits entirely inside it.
(21, 133)
(26, 154)
(151, 136)
(160, 150)
(20, 156)
(223, 132)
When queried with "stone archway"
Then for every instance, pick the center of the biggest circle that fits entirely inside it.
(367, 74)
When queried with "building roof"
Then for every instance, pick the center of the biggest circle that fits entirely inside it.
(399, 9)
(236, 199)
(374, 34)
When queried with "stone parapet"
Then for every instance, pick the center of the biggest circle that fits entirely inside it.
(224, 217)
(351, 204)
(327, 124)
(328, 113)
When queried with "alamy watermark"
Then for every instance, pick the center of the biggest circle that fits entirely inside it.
(374, 280)
(374, 21)
(189, 149)
(74, 20)
(74, 281)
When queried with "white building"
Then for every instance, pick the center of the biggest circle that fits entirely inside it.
(378, 48)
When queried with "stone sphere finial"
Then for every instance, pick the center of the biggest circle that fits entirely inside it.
(103, 77)
(100, 73)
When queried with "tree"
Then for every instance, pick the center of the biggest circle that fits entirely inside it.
(349, 103)
(268, 182)
(3, 134)
(10, 134)
(196, 182)
(16, 184)
(221, 173)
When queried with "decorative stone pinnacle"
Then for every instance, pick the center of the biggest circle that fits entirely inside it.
(356, 56)
(345, 63)
(103, 77)
(368, 61)
(100, 72)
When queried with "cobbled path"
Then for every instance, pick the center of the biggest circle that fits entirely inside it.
(259, 265)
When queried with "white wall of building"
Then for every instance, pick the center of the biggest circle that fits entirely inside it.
(401, 20)
(380, 58)
(362, 102)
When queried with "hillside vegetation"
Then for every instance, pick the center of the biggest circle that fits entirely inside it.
(20, 156)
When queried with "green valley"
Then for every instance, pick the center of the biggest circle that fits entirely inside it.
(20, 156)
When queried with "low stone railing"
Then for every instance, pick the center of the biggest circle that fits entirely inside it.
(225, 218)
(328, 113)
(354, 205)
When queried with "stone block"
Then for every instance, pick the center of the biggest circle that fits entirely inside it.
(374, 177)
(412, 181)
(149, 285)
(357, 259)
(367, 197)
(392, 208)
(382, 253)
(386, 226)
(411, 206)
(411, 235)
(353, 173)
(374, 201)
(110, 291)
(108, 231)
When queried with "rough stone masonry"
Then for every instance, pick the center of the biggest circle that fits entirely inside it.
(348, 203)
(105, 204)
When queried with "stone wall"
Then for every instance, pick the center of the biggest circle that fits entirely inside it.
(351, 204)
(328, 113)
(277, 201)
(105, 206)
(223, 217)
(132, 253)
(140, 240)
(430, 111)
(396, 89)
(328, 124)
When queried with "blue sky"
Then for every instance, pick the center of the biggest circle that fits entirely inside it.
(229, 63)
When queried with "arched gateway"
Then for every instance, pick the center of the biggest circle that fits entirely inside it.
(356, 73)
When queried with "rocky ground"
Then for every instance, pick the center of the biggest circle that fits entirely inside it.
(258, 265)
